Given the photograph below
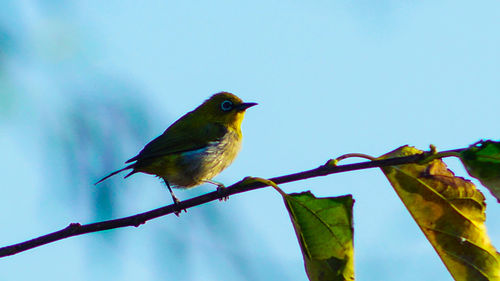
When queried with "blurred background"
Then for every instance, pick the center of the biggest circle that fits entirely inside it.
(84, 85)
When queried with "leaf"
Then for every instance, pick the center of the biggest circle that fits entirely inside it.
(451, 213)
(325, 233)
(482, 161)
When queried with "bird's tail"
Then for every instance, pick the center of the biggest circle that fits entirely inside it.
(116, 172)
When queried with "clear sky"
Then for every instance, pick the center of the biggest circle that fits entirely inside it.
(85, 84)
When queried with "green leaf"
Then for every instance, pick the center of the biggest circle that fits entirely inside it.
(482, 161)
(451, 213)
(325, 233)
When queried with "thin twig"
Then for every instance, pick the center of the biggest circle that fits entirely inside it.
(75, 229)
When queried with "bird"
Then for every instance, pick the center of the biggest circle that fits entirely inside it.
(196, 147)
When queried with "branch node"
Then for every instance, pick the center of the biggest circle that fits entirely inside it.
(137, 222)
(433, 154)
(433, 149)
(73, 227)
(331, 163)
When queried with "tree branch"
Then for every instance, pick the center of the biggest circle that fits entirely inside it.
(75, 229)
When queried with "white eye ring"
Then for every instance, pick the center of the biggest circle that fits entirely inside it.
(226, 105)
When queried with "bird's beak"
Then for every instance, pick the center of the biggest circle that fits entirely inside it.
(245, 105)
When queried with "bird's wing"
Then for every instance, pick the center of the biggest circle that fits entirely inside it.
(177, 139)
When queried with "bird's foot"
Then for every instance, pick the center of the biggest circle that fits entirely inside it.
(220, 189)
(178, 210)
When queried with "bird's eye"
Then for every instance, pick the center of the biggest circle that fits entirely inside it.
(226, 105)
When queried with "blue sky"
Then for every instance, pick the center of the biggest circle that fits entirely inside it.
(84, 86)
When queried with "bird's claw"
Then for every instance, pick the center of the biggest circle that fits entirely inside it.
(178, 210)
(220, 190)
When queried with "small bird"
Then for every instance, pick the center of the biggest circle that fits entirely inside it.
(196, 147)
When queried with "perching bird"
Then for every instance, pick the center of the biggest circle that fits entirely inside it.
(195, 148)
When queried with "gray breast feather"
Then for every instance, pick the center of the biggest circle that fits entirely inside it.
(207, 162)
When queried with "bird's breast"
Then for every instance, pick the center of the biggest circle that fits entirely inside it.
(193, 167)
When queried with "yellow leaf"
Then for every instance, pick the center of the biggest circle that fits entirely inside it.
(451, 213)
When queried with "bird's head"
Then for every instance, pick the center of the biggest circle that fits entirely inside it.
(224, 108)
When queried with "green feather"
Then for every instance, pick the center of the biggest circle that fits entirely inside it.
(180, 138)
